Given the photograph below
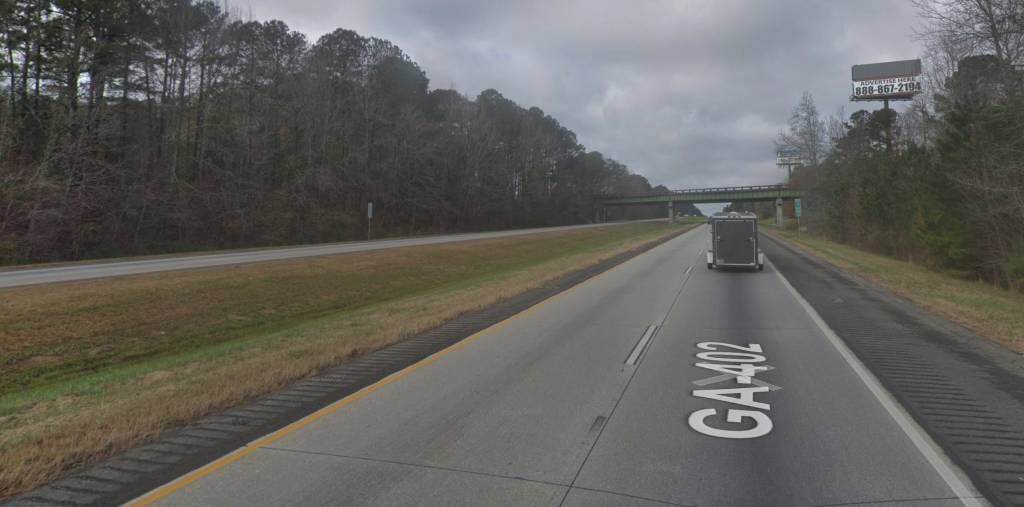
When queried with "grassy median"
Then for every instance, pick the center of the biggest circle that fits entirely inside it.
(93, 367)
(987, 310)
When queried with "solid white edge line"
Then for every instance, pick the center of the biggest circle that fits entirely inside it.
(640, 345)
(954, 477)
(660, 320)
(689, 269)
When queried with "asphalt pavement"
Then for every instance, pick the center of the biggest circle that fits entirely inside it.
(657, 383)
(101, 269)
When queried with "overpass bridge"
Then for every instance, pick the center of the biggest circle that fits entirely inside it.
(758, 193)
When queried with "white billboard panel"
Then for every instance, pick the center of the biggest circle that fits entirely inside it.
(788, 156)
(886, 80)
(890, 87)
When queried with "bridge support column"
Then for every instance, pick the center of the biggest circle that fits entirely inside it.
(778, 213)
(671, 213)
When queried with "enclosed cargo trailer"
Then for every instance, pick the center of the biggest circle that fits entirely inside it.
(734, 241)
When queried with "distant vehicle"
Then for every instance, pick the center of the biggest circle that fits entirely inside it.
(734, 241)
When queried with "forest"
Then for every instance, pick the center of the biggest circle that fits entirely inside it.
(942, 182)
(133, 127)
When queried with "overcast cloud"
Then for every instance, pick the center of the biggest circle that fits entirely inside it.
(689, 94)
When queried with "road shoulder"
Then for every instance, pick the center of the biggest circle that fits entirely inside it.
(964, 390)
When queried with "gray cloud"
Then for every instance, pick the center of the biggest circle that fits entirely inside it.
(689, 94)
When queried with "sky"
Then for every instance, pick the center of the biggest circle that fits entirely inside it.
(689, 94)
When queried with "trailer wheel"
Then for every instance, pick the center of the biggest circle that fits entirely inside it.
(760, 267)
(709, 265)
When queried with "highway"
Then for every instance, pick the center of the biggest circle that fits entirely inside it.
(101, 269)
(594, 397)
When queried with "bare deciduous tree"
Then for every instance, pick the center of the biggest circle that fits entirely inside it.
(806, 131)
(136, 126)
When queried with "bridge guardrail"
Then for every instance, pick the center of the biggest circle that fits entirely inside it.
(697, 191)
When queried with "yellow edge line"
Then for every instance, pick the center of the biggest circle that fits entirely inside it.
(193, 476)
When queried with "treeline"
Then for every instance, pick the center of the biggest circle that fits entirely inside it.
(146, 126)
(943, 182)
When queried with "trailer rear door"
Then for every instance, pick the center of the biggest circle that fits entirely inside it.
(736, 243)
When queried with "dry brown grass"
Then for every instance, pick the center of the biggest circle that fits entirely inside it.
(55, 333)
(987, 310)
(42, 437)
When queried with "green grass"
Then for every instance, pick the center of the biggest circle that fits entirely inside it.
(992, 312)
(692, 220)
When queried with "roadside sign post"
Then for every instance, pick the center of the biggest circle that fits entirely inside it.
(796, 211)
(369, 219)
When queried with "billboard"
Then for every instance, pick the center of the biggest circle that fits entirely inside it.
(787, 155)
(899, 80)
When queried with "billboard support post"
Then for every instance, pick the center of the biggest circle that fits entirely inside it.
(788, 157)
(888, 128)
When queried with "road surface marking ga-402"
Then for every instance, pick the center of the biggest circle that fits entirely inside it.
(740, 363)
